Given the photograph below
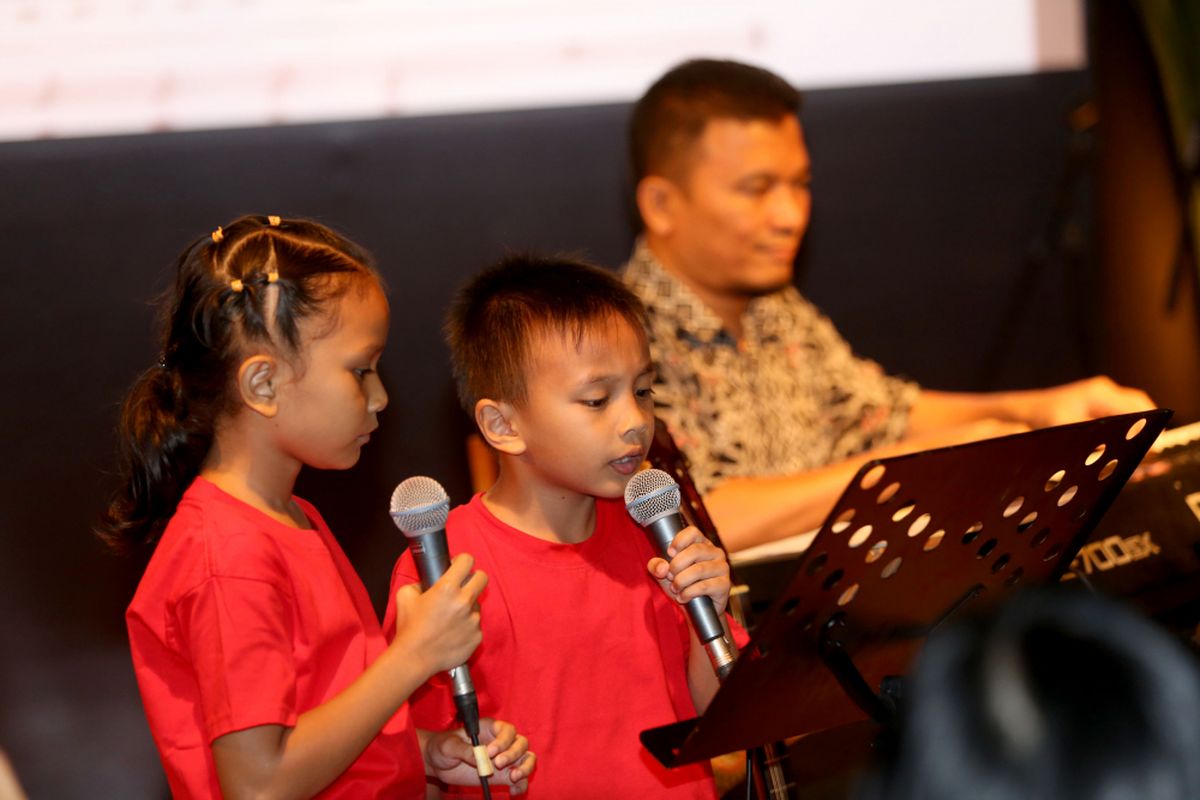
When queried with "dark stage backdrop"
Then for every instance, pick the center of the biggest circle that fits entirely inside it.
(926, 198)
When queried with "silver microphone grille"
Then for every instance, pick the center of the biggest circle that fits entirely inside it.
(420, 505)
(650, 495)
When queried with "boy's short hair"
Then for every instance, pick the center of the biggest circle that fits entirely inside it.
(671, 115)
(496, 316)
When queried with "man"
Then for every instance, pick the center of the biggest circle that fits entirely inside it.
(772, 408)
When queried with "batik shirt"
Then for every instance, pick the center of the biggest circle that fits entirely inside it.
(788, 396)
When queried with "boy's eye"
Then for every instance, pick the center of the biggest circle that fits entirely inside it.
(646, 392)
(594, 402)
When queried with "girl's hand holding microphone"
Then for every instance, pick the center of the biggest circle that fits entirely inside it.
(441, 626)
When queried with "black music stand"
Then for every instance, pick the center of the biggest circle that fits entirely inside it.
(912, 540)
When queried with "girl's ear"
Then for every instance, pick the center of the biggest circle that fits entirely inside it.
(496, 424)
(258, 382)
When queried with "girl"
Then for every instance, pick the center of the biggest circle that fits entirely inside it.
(258, 655)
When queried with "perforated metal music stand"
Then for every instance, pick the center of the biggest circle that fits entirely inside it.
(912, 540)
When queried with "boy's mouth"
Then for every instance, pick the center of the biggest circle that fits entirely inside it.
(627, 465)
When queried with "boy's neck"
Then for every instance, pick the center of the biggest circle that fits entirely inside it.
(550, 513)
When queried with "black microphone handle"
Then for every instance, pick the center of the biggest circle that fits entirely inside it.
(700, 609)
(432, 557)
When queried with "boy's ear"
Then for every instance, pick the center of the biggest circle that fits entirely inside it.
(495, 421)
(257, 383)
(656, 198)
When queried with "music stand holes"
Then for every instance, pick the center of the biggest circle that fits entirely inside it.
(1108, 470)
(1135, 429)
(843, 521)
(1053, 552)
(919, 524)
(892, 568)
(875, 551)
(1039, 537)
(1014, 507)
(987, 547)
(888, 493)
(1027, 523)
(1094, 456)
(903, 512)
(832, 580)
(1012, 579)
(1054, 480)
(873, 477)
(790, 606)
(848, 595)
(860, 536)
(934, 540)
(972, 533)
(817, 564)
(805, 623)
(1067, 496)
(1000, 564)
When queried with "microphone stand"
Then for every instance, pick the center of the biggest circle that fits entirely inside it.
(914, 540)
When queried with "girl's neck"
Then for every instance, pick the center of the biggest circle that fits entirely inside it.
(256, 476)
(550, 513)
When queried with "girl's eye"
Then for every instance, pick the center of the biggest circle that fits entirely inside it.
(362, 372)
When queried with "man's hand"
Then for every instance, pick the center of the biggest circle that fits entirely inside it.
(1090, 398)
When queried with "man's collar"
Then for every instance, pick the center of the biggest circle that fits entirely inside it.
(658, 288)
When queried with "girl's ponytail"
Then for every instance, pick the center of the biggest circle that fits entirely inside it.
(249, 283)
(162, 449)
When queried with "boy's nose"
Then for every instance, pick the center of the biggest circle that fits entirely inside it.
(637, 424)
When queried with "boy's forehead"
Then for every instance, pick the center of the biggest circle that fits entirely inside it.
(577, 338)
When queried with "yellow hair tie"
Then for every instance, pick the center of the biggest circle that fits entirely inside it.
(218, 235)
(272, 276)
(236, 285)
(273, 221)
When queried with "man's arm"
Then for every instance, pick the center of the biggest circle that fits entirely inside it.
(1091, 398)
(752, 511)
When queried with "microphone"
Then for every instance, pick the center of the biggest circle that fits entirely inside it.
(419, 508)
(652, 499)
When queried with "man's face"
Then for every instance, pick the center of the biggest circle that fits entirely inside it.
(741, 207)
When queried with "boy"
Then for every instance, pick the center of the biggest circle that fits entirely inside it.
(580, 649)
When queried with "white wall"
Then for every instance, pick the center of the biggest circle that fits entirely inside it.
(87, 67)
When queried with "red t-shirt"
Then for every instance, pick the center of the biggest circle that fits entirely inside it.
(241, 621)
(582, 650)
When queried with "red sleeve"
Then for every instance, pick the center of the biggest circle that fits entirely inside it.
(239, 634)
(431, 704)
